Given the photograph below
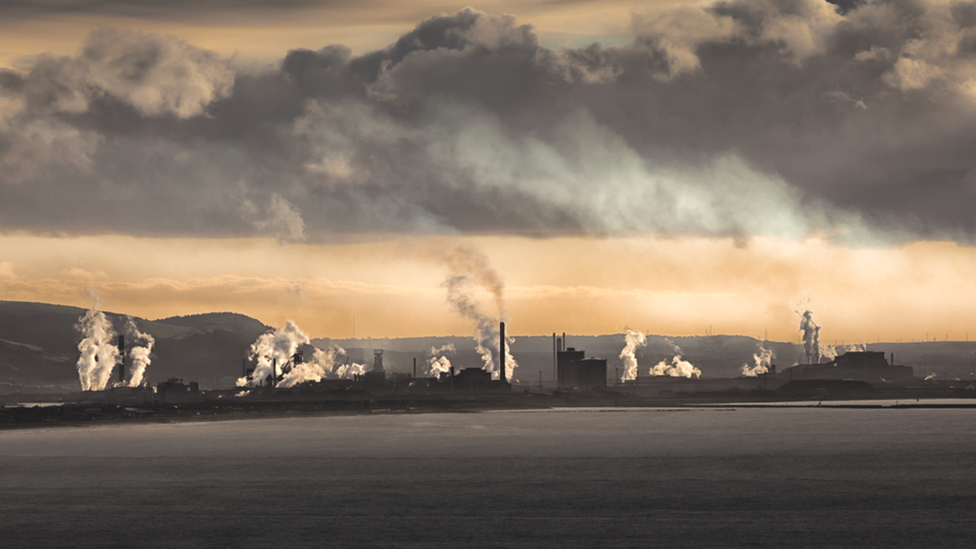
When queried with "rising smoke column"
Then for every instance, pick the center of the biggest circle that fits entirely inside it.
(677, 367)
(437, 363)
(633, 340)
(277, 347)
(763, 358)
(811, 337)
(470, 267)
(98, 350)
(140, 346)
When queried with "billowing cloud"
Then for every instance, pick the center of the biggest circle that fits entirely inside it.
(154, 75)
(779, 118)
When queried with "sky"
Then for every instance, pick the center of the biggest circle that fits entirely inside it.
(680, 168)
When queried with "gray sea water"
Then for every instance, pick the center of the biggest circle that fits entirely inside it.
(727, 477)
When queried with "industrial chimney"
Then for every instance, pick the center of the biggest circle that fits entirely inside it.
(121, 359)
(501, 353)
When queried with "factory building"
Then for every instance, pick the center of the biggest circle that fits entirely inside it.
(174, 390)
(574, 370)
(869, 366)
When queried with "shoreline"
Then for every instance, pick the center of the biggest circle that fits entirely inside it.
(89, 414)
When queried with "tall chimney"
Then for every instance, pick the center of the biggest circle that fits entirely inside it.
(554, 355)
(501, 353)
(415, 367)
(122, 359)
(564, 342)
(274, 372)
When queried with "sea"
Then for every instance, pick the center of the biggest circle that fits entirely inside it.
(727, 476)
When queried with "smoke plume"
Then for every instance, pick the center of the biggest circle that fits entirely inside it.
(275, 352)
(633, 339)
(811, 337)
(469, 267)
(349, 370)
(98, 351)
(437, 363)
(763, 358)
(677, 367)
(314, 370)
(140, 346)
(830, 352)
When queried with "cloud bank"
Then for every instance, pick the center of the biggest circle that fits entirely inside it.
(731, 119)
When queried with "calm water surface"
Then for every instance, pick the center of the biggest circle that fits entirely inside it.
(726, 477)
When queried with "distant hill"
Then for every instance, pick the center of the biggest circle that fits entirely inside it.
(208, 322)
(38, 346)
(38, 350)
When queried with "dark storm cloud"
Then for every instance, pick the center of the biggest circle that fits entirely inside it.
(733, 119)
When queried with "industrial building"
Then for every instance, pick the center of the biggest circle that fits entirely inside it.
(575, 371)
(869, 366)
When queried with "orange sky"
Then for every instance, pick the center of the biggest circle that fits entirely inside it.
(392, 286)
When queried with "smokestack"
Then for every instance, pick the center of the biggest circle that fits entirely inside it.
(415, 367)
(563, 348)
(892, 359)
(122, 359)
(501, 353)
(554, 355)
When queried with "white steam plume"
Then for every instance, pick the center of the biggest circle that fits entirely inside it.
(633, 340)
(827, 351)
(437, 363)
(321, 365)
(763, 359)
(98, 351)
(811, 337)
(140, 346)
(830, 352)
(274, 352)
(931, 376)
(350, 370)
(677, 367)
(469, 266)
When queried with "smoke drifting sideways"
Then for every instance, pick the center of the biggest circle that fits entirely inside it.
(811, 337)
(470, 269)
(140, 347)
(830, 352)
(633, 340)
(677, 367)
(98, 351)
(437, 363)
(276, 355)
(763, 359)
